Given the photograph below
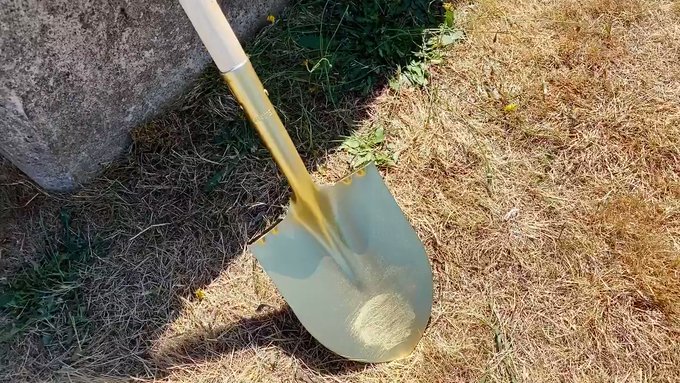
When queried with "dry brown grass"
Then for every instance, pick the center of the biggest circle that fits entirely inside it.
(553, 230)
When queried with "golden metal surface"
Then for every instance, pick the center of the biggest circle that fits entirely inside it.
(309, 207)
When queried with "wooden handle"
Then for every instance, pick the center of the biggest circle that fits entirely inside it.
(216, 33)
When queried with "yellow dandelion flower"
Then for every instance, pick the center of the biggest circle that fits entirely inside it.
(510, 107)
(200, 294)
(448, 6)
(271, 19)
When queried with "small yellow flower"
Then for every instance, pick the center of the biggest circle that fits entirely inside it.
(448, 6)
(200, 294)
(271, 19)
(510, 107)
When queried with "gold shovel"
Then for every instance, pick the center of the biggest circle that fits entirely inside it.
(345, 258)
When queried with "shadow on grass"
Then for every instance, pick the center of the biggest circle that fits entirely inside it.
(194, 188)
(276, 328)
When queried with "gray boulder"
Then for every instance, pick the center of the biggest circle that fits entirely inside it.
(77, 75)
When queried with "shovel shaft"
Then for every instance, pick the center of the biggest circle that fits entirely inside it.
(248, 90)
(311, 209)
(214, 30)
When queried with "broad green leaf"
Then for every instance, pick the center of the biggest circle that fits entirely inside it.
(395, 82)
(7, 300)
(367, 158)
(451, 37)
(311, 41)
(351, 143)
(356, 162)
(379, 135)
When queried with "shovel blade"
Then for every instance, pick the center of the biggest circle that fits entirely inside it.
(380, 313)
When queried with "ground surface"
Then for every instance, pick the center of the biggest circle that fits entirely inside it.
(540, 167)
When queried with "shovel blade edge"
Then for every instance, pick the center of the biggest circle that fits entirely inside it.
(384, 315)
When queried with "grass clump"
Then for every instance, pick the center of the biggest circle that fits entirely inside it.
(362, 42)
(416, 72)
(369, 147)
(350, 47)
(48, 293)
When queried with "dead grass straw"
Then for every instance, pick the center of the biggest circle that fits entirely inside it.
(552, 225)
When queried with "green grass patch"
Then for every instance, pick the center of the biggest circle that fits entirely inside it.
(48, 294)
(349, 47)
(356, 45)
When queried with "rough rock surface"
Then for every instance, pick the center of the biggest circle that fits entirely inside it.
(77, 75)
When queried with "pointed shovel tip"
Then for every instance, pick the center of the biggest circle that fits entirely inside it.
(378, 320)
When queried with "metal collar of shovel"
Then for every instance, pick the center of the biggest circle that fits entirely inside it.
(345, 257)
